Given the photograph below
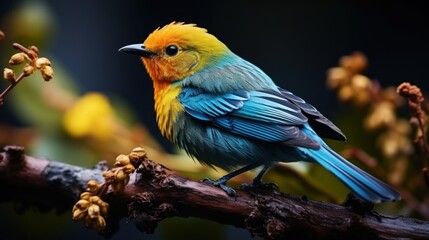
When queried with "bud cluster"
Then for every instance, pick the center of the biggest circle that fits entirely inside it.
(33, 62)
(91, 209)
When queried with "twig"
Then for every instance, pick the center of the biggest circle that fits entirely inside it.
(156, 193)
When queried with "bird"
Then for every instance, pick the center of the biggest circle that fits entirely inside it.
(226, 112)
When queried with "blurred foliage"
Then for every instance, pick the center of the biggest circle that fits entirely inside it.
(64, 124)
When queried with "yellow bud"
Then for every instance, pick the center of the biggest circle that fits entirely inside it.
(92, 186)
(94, 211)
(345, 93)
(139, 150)
(9, 75)
(337, 77)
(136, 155)
(35, 49)
(85, 195)
(42, 62)
(128, 169)
(17, 58)
(100, 224)
(108, 176)
(356, 62)
(28, 69)
(78, 215)
(94, 199)
(120, 175)
(122, 160)
(82, 205)
(47, 73)
(104, 208)
(360, 82)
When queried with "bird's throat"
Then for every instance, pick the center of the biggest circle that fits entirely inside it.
(167, 107)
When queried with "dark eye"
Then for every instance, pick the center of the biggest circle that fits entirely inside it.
(171, 50)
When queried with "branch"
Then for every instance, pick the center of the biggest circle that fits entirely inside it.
(156, 193)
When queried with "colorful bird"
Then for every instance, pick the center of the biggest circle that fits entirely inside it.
(225, 111)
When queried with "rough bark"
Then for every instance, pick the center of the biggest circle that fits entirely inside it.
(156, 193)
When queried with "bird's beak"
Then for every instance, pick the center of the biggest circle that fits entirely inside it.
(136, 49)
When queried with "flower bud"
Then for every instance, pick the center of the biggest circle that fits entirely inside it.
(47, 73)
(17, 58)
(122, 160)
(82, 204)
(120, 175)
(100, 224)
(92, 186)
(94, 211)
(28, 69)
(128, 168)
(9, 75)
(85, 195)
(78, 214)
(42, 62)
(137, 155)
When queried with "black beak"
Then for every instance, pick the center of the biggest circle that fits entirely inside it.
(136, 49)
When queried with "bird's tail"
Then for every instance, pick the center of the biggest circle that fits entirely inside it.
(361, 183)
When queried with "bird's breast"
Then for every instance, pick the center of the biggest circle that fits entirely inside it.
(167, 108)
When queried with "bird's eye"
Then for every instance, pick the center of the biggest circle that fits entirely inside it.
(171, 50)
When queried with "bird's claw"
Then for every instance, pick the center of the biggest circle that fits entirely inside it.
(261, 185)
(231, 192)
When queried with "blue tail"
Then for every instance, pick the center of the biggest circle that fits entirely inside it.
(361, 183)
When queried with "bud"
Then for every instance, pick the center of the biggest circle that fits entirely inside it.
(78, 214)
(92, 186)
(345, 93)
(101, 224)
(34, 48)
(122, 160)
(17, 58)
(85, 195)
(28, 70)
(120, 175)
(2, 36)
(42, 62)
(129, 168)
(9, 75)
(82, 205)
(94, 211)
(360, 82)
(47, 73)
(337, 77)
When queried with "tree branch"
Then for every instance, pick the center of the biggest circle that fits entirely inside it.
(156, 193)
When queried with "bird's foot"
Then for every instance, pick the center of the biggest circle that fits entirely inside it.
(220, 183)
(272, 187)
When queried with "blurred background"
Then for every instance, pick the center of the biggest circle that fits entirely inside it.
(100, 102)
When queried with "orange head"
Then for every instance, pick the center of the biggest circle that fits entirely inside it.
(177, 50)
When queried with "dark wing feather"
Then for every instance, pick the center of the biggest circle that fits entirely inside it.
(323, 126)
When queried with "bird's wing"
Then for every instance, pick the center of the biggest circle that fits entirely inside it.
(320, 124)
(264, 115)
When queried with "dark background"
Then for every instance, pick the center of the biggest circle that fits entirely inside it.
(294, 42)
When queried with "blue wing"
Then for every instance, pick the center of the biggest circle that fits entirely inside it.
(264, 115)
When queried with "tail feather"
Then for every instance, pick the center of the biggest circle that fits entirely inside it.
(361, 183)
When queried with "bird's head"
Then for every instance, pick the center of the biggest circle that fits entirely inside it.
(177, 50)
